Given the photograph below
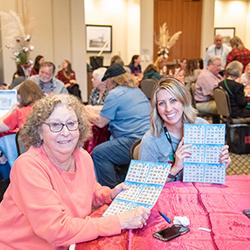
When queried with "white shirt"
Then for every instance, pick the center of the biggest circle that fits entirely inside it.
(222, 52)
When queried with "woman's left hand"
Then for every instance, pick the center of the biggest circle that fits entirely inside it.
(224, 156)
(117, 189)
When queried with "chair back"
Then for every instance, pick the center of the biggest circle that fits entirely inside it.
(135, 150)
(222, 102)
(147, 87)
(21, 148)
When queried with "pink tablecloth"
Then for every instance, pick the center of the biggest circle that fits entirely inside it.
(218, 207)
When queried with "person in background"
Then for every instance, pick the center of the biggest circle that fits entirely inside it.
(28, 93)
(135, 66)
(179, 71)
(126, 110)
(191, 72)
(235, 90)
(3, 86)
(207, 80)
(99, 91)
(219, 49)
(116, 59)
(46, 80)
(151, 72)
(53, 188)
(36, 66)
(18, 77)
(171, 108)
(68, 77)
(238, 52)
(245, 79)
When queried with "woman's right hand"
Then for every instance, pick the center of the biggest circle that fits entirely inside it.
(135, 218)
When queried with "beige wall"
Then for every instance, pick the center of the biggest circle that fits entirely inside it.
(55, 34)
(234, 14)
(124, 16)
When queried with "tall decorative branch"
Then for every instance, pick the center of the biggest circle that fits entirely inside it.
(165, 42)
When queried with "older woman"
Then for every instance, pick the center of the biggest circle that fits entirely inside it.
(99, 91)
(28, 92)
(126, 109)
(235, 90)
(171, 108)
(53, 187)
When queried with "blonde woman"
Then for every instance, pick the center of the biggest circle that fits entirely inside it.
(171, 108)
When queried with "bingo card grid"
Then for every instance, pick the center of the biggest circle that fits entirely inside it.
(207, 141)
(145, 181)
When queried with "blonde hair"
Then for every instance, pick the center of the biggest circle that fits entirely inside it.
(42, 110)
(124, 79)
(179, 91)
(236, 42)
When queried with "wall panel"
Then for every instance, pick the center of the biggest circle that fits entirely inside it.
(180, 15)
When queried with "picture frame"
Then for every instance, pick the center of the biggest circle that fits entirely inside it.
(99, 38)
(226, 32)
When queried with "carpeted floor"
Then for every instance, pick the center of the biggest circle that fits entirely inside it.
(240, 164)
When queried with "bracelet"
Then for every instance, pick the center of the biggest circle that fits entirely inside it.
(172, 177)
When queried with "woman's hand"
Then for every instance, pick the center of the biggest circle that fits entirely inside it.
(117, 189)
(224, 156)
(182, 152)
(135, 218)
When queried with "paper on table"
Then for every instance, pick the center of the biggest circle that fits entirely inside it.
(145, 181)
(8, 98)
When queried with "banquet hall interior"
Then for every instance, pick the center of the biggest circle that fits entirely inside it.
(83, 36)
(59, 29)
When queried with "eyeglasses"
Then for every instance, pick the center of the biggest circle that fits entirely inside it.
(56, 127)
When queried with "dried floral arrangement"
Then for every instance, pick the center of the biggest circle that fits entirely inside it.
(16, 38)
(165, 41)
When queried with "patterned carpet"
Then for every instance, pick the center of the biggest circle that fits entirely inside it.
(240, 164)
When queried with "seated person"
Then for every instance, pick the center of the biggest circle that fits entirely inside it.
(151, 72)
(245, 79)
(68, 77)
(207, 80)
(171, 108)
(28, 92)
(46, 80)
(235, 90)
(135, 66)
(3, 86)
(36, 66)
(126, 109)
(99, 91)
(53, 187)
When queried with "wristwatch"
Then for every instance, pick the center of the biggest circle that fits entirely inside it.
(172, 177)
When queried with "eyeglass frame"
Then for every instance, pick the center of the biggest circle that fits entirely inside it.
(62, 126)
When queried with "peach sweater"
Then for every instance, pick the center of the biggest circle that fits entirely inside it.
(47, 208)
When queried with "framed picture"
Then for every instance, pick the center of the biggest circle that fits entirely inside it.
(227, 33)
(99, 38)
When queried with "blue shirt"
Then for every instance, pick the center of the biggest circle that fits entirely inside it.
(158, 149)
(128, 110)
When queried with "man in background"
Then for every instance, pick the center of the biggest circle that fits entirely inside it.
(207, 80)
(219, 49)
(46, 80)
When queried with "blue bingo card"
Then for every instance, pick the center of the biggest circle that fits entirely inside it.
(145, 181)
(207, 141)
